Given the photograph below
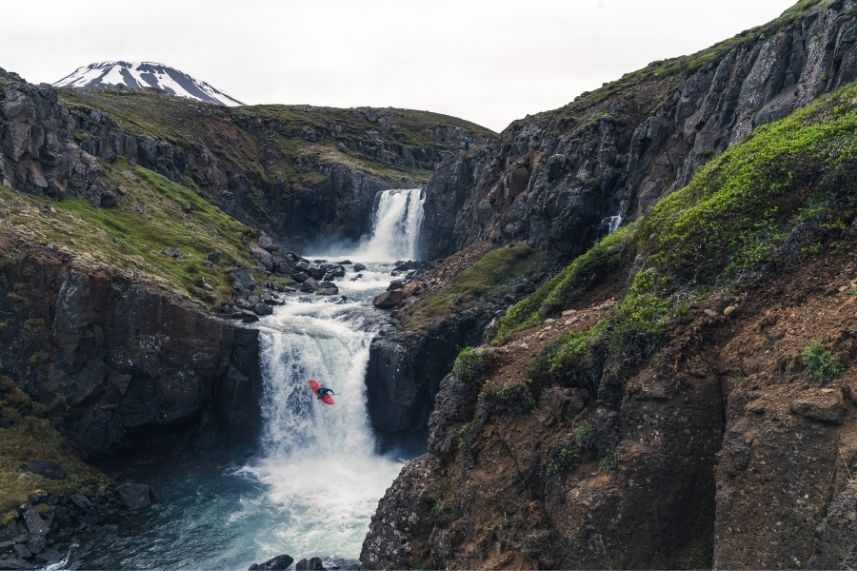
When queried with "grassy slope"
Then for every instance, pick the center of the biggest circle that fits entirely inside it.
(787, 190)
(229, 132)
(32, 436)
(174, 216)
(488, 278)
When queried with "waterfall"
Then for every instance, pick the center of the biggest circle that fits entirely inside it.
(396, 226)
(613, 223)
(318, 461)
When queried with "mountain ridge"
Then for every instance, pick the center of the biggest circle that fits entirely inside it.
(145, 75)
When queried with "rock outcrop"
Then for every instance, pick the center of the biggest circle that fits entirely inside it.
(553, 179)
(124, 364)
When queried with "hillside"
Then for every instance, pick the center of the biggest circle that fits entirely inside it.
(633, 411)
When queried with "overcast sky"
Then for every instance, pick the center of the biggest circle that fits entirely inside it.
(490, 61)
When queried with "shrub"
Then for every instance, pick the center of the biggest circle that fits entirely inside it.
(471, 364)
(565, 459)
(819, 364)
(511, 399)
(610, 461)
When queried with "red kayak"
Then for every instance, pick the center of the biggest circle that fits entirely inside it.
(315, 385)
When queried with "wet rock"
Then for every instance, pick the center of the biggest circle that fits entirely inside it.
(314, 564)
(16, 564)
(395, 284)
(46, 468)
(389, 299)
(263, 308)
(80, 501)
(316, 272)
(136, 496)
(327, 288)
(300, 277)
(310, 285)
(359, 267)
(281, 562)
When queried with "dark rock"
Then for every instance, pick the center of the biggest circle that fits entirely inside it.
(36, 525)
(359, 267)
(242, 280)
(316, 272)
(213, 257)
(395, 284)
(107, 199)
(300, 277)
(309, 285)
(824, 407)
(172, 252)
(16, 564)
(136, 496)
(313, 564)
(80, 501)
(262, 308)
(36, 543)
(5, 421)
(278, 563)
(389, 299)
(46, 468)
(327, 288)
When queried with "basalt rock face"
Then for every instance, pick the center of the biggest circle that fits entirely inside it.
(124, 365)
(38, 154)
(553, 179)
(404, 375)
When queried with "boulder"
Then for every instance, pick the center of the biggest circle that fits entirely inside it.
(359, 267)
(313, 564)
(46, 468)
(36, 525)
(395, 284)
(263, 257)
(278, 563)
(136, 496)
(389, 299)
(300, 277)
(316, 271)
(327, 288)
(310, 285)
(263, 308)
(242, 280)
(213, 257)
(172, 252)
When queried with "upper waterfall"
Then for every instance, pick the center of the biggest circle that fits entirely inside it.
(396, 226)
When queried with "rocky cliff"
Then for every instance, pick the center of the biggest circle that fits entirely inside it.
(554, 178)
(122, 364)
(679, 396)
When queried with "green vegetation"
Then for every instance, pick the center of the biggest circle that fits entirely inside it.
(608, 255)
(488, 278)
(786, 191)
(610, 461)
(819, 364)
(291, 137)
(471, 364)
(154, 214)
(510, 398)
(564, 460)
(32, 436)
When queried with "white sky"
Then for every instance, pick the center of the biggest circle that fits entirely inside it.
(489, 61)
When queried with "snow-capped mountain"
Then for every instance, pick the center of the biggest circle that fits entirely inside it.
(147, 74)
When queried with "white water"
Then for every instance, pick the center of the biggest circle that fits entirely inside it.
(613, 223)
(319, 461)
(314, 487)
(395, 227)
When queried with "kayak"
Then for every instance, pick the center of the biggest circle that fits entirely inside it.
(315, 385)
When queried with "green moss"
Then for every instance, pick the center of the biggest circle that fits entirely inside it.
(510, 398)
(175, 216)
(819, 364)
(33, 436)
(610, 461)
(471, 364)
(488, 278)
(611, 253)
(564, 460)
(787, 190)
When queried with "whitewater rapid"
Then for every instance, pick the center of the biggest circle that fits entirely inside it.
(319, 461)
